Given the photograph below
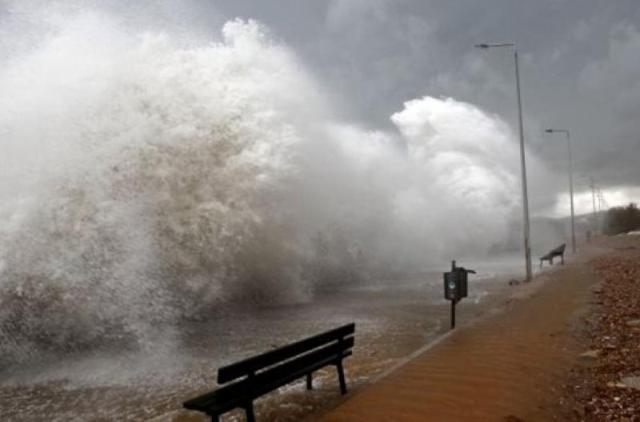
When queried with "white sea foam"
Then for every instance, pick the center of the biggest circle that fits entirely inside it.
(147, 179)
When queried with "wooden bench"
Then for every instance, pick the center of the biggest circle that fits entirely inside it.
(559, 251)
(251, 378)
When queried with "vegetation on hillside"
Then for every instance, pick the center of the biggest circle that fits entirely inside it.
(622, 219)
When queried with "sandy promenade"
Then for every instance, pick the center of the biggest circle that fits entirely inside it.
(507, 367)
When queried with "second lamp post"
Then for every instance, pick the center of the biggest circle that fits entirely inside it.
(570, 165)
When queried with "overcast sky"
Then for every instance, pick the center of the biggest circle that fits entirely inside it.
(580, 62)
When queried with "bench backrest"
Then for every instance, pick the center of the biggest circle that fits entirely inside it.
(559, 249)
(256, 363)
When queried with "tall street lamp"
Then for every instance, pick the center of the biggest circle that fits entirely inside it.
(570, 165)
(592, 185)
(525, 198)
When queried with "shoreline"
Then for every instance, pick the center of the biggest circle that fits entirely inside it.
(377, 353)
(390, 333)
(391, 324)
(405, 326)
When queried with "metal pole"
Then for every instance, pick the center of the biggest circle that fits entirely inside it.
(573, 224)
(570, 168)
(593, 199)
(525, 198)
(453, 314)
(600, 225)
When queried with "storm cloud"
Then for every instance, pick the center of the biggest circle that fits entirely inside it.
(579, 62)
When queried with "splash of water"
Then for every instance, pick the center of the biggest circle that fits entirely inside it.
(148, 180)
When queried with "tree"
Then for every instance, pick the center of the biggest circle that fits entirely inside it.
(622, 219)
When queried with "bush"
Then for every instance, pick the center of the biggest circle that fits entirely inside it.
(622, 219)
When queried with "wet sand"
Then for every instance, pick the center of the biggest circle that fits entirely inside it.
(507, 367)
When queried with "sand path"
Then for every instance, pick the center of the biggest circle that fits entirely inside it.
(502, 368)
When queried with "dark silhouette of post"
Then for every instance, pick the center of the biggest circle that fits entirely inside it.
(454, 301)
(453, 314)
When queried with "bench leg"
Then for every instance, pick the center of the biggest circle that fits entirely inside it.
(343, 384)
(551, 261)
(309, 381)
(215, 418)
(249, 412)
(562, 258)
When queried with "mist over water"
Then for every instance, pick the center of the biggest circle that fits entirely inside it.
(150, 177)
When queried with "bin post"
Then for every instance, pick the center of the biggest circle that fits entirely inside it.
(453, 314)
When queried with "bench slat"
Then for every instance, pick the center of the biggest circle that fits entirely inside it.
(231, 396)
(294, 369)
(256, 363)
(554, 252)
(225, 398)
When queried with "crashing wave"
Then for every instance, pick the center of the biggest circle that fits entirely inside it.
(150, 181)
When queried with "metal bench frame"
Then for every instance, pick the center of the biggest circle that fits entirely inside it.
(559, 251)
(242, 382)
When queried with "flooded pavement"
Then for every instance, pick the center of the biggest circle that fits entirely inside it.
(392, 320)
(508, 367)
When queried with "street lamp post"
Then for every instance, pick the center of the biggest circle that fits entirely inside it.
(573, 225)
(593, 187)
(523, 167)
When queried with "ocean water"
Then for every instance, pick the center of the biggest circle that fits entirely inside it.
(393, 319)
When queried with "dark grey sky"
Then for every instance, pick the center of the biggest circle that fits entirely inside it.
(580, 65)
(580, 62)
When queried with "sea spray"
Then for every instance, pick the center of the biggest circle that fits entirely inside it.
(149, 181)
(163, 207)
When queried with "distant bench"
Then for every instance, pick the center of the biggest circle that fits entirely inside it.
(559, 251)
(271, 370)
